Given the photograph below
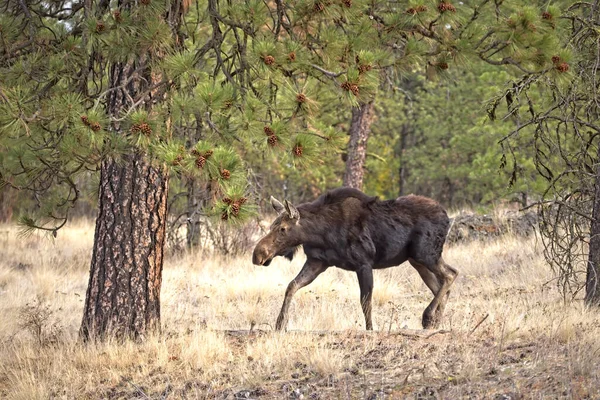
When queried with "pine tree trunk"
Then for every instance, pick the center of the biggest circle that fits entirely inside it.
(123, 295)
(592, 282)
(362, 117)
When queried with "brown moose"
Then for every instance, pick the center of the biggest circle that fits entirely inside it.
(350, 230)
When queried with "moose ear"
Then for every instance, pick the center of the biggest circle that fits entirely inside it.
(277, 205)
(291, 210)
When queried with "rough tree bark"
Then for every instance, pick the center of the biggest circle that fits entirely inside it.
(592, 281)
(360, 128)
(123, 295)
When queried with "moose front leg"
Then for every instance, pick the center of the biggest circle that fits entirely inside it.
(365, 281)
(308, 273)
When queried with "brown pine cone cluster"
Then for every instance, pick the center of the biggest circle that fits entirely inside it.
(546, 15)
(562, 67)
(225, 174)
(301, 98)
(445, 6)
(117, 16)
(100, 27)
(95, 126)
(351, 87)
(347, 3)
(319, 7)
(177, 161)
(269, 131)
(235, 206)
(143, 128)
(298, 150)
(269, 60)
(442, 65)
(416, 10)
(559, 65)
(364, 68)
(201, 157)
(272, 140)
(292, 56)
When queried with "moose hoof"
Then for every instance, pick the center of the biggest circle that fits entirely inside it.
(280, 325)
(430, 322)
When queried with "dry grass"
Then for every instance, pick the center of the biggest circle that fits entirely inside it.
(530, 345)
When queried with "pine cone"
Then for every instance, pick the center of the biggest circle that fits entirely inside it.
(177, 160)
(145, 129)
(95, 126)
(227, 200)
(117, 16)
(421, 8)
(224, 216)
(442, 65)
(411, 11)
(100, 27)
(195, 152)
(298, 150)
(85, 120)
(444, 6)
(145, 2)
(242, 200)
(269, 131)
(346, 85)
(272, 140)
(208, 153)
(546, 15)
(200, 161)
(319, 7)
(562, 67)
(235, 209)
(555, 59)
(301, 98)
(225, 174)
(364, 68)
(347, 3)
(292, 56)
(354, 89)
(269, 60)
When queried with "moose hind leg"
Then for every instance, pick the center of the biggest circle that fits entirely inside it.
(446, 275)
(365, 281)
(438, 277)
(307, 274)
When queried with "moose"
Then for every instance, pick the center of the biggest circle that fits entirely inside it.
(351, 230)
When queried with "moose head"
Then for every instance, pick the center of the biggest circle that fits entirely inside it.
(284, 235)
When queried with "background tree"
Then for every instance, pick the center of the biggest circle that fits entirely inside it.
(563, 125)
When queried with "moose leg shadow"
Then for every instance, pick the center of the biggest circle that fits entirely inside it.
(438, 278)
(308, 273)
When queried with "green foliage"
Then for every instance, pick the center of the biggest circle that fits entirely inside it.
(266, 87)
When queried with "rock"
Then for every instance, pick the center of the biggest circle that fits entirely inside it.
(467, 227)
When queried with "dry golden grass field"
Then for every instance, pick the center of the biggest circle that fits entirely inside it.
(531, 345)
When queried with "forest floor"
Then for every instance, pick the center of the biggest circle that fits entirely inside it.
(507, 332)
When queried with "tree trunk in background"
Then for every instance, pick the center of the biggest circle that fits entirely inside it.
(592, 281)
(362, 117)
(123, 295)
(402, 171)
